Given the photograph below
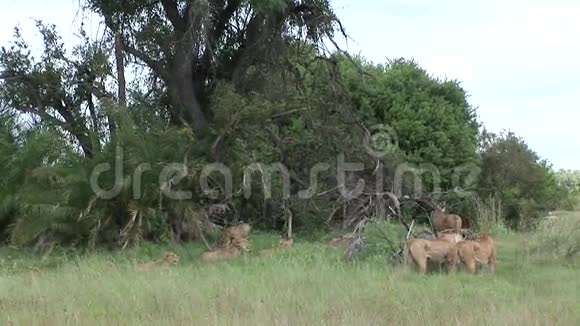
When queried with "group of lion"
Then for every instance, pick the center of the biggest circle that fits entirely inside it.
(235, 242)
(450, 246)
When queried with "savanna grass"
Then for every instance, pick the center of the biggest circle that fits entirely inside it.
(308, 284)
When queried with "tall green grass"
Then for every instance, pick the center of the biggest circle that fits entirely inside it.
(558, 235)
(489, 216)
(308, 284)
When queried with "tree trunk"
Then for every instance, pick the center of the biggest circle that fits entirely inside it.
(182, 91)
(120, 69)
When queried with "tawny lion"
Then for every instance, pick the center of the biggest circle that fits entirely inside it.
(220, 253)
(282, 244)
(439, 250)
(473, 253)
(442, 221)
(239, 231)
(286, 243)
(343, 240)
(169, 258)
(236, 247)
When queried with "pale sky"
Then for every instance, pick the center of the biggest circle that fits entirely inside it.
(518, 60)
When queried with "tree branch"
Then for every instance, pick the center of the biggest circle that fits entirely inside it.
(224, 18)
(170, 7)
(157, 66)
(43, 115)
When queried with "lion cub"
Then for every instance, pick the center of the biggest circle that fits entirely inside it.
(169, 258)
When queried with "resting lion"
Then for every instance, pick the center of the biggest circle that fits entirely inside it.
(240, 231)
(236, 247)
(286, 243)
(241, 243)
(169, 258)
(220, 253)
(472, 253)
(422, 251)
(343, 240)
(282, 244)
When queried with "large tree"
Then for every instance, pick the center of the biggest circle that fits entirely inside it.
(189, 45)
(58, 89)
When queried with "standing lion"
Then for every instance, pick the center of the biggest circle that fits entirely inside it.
(472, 253)
(440, 250)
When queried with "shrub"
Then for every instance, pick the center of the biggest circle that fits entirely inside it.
(383, 237)
(525, 184)
(558, 236)
(489, 215)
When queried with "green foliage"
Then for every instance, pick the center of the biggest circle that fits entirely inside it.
(525, 184)
(57, 88)
(305, 285)
(432, 119)
(383, 238)
(58, 202)
(558, 236)
(283, 103)
(569, 180)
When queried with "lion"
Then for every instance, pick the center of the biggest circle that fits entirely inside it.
(236, 232)
(439, 250)
(284, 243)
(235, 247)
(221, 253)
(169, 258)
(451, 236)
(442, 221)
(473, 253)
(241, 243)
(339, 241)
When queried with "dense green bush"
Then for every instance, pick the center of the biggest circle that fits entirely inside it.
(569, 180)
(525, 184)
(432, 121)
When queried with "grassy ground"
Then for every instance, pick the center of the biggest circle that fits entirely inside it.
(306, 285)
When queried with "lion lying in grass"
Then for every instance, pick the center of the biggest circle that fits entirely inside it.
(282, 244)
(482, 251)
(220, 253)
(440, 250)
(169, 258)
(340, 241)
(240, 231)
(236, 247)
